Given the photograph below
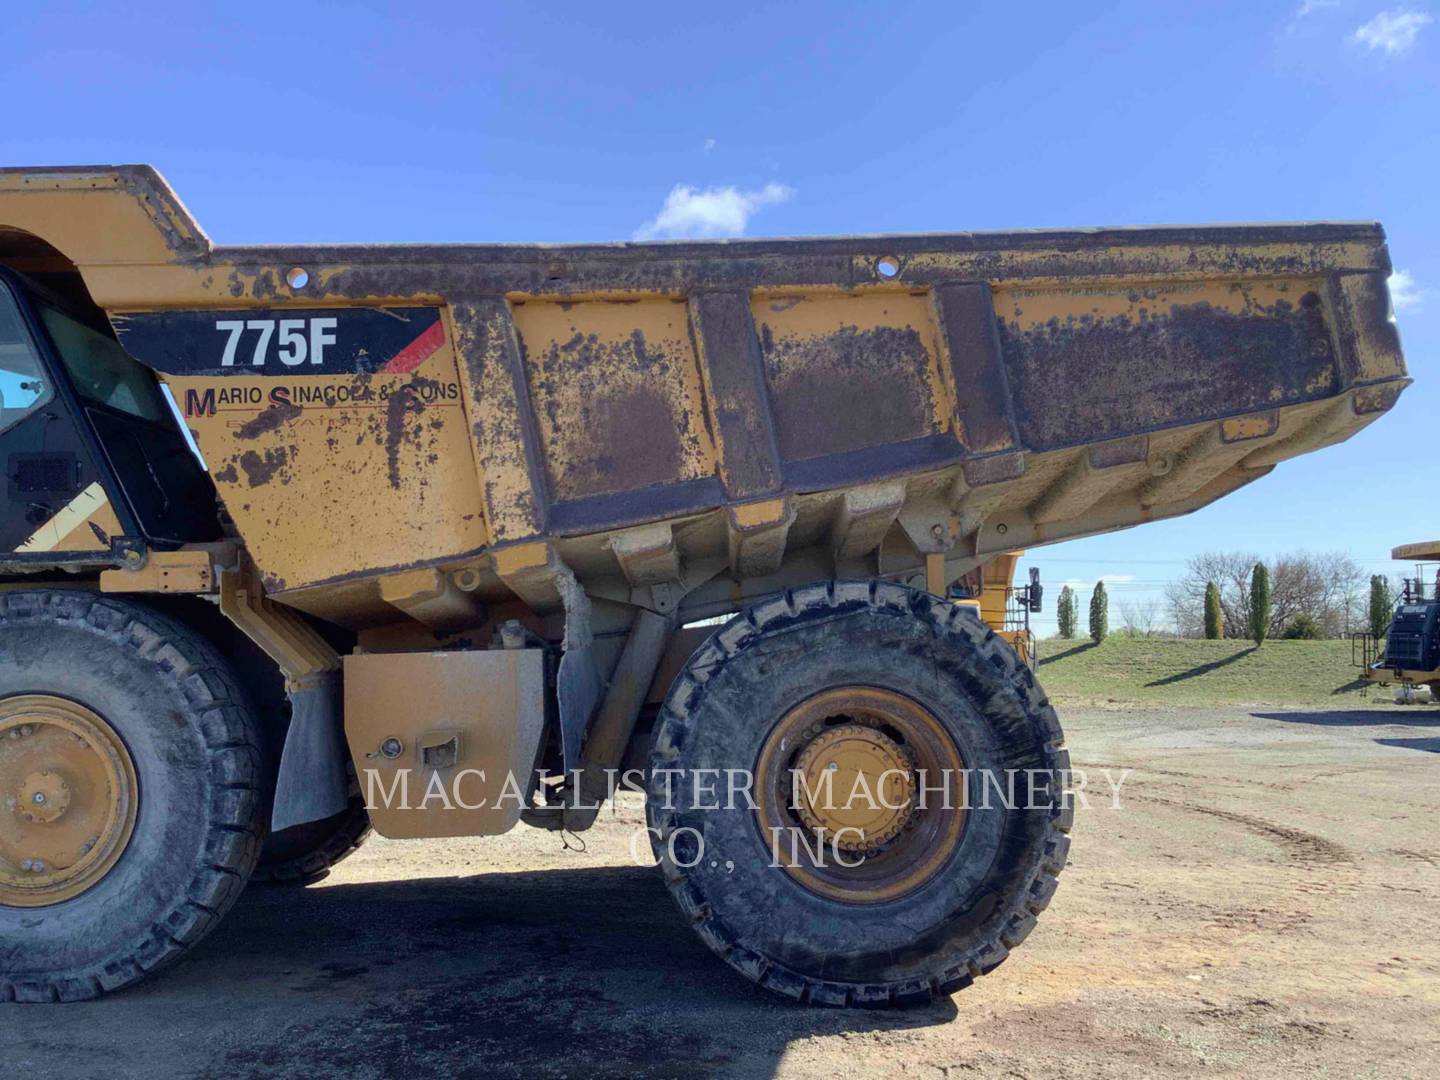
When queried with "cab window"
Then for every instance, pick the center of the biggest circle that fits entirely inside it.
(101, 370)
(23, 386)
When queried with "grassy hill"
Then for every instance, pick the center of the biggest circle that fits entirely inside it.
(1169, 672)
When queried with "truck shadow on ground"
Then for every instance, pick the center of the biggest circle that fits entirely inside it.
(589, 973)
(1390, 718)
(1420, 717)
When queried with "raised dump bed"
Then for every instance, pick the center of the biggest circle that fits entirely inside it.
(474, 500)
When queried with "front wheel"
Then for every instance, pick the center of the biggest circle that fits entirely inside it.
(129, 792)
(903, 819)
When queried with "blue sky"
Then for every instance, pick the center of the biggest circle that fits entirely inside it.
(449, 121)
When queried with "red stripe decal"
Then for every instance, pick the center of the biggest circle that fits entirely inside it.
(418, 351)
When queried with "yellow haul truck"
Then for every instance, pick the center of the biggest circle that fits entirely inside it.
(461, 507)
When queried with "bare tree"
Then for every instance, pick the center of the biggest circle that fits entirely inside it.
(1230, 570)
(1329, 587)
(1140, 618)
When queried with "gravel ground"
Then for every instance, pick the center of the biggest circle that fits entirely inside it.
(1264, 903)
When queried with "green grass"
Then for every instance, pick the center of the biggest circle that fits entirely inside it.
(1170, 672)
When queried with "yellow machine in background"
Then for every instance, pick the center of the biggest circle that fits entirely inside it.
(1005, 608)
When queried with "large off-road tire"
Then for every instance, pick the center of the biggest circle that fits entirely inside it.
(137, 729)
(859, 672)
(305, 854)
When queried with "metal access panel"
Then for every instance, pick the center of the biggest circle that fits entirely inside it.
(445, 743)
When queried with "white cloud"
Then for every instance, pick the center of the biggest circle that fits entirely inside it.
(1405, 295)
(709, 145)
(715, 211)
(1302, 12)
(1393, 31)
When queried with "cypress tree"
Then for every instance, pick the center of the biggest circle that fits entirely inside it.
(1381, 604)
(1066, 612)
(1259, 603)
(1099, 613)
(1214, 619)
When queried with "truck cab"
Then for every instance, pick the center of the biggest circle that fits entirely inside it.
(95, 462)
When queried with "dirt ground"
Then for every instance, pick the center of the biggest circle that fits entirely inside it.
(1266, 902)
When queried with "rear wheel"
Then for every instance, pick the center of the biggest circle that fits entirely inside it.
(305, 854)
(908, 818)
(129, 776)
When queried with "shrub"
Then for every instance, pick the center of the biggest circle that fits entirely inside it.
(1303, 627)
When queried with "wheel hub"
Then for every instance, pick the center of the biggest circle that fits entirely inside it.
(44, 797)
(858, 786)
(880, 834)
(68, 799)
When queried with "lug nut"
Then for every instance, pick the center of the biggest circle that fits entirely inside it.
(25, 866)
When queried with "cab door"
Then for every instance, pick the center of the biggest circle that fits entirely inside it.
(117, 399)
(91, 449)
(54, 498)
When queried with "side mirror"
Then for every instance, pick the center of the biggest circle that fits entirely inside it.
(1036, 593)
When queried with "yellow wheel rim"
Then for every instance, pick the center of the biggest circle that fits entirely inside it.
(68, 799)
(871, 781)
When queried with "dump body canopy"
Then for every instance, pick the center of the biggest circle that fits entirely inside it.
(1427, 551)
(717, 420)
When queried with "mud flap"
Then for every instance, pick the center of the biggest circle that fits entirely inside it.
(578, 681)
(312, 784)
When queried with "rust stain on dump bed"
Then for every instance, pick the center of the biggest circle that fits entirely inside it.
(615, 391)
(407, 401)
(850, 372)
(260, 469)
(268, 420)
(1110, 363)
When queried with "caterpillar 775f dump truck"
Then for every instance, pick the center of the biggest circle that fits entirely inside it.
(436, 559)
